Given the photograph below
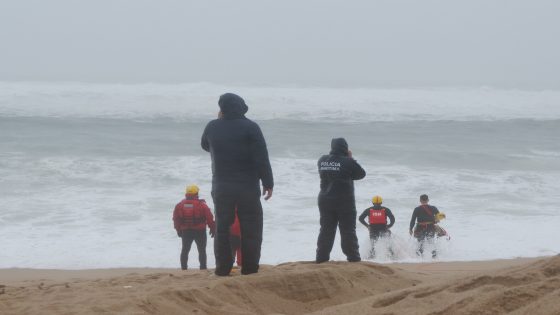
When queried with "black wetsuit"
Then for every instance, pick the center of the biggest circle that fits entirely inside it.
(425, 215)
(239, 161)
(425, 229)
(377, 230)
(337, 206)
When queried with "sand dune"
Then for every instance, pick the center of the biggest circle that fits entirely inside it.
(521, 286)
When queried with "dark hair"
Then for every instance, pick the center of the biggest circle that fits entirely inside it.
(424, 197)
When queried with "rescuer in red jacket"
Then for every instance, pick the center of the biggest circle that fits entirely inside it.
(377, 221)
(190, 218)
(235, 239)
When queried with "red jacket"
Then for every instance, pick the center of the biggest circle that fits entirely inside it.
(235, 229)
(192, 214)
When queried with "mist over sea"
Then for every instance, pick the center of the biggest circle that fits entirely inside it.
(90, 173)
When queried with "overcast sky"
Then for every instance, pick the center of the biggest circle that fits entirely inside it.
(502, 43)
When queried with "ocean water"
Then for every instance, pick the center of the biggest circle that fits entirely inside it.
(90, 173)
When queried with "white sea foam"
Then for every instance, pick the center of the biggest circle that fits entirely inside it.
(82, 212)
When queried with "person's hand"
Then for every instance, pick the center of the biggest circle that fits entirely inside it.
(179, 233)
(350, 153)
(410, 232)
(267, 193)
(212, 233)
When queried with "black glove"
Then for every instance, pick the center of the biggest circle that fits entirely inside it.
(212, 233)
(179, 233)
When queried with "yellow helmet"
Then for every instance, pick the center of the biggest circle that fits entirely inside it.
(440, 216)
(192, 190)
(377, 200)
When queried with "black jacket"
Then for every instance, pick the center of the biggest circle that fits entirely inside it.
(237, 146)
(338, 172)
(424, 214)
(388, 212)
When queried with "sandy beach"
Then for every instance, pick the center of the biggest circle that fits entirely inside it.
(516, 286)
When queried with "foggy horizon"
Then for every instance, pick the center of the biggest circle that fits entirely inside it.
(502, 44)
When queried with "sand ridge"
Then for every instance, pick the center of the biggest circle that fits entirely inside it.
(498, 287)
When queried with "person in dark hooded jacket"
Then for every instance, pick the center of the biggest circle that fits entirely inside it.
(239, 164)
(337, 205)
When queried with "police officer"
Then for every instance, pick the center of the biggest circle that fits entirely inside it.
(377, 222)
(337, 205)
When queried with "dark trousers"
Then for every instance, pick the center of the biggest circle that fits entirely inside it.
(249, 211)
(343, 215)
(199, 237)
(423, 234)
(375, 233)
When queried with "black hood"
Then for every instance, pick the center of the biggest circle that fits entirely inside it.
(339, 146)
(232, 106)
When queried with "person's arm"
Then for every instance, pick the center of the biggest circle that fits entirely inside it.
(260, 156)
(209, 219)
(390, 216)
(357, 171)
(204, 140)
(413, 220)
(363, 216)
(176, 219)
